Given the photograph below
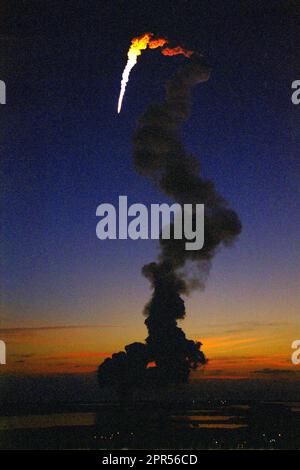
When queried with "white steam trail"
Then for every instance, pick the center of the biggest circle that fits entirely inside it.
(125, 77)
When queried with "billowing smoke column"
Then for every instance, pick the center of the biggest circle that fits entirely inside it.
(160, 155)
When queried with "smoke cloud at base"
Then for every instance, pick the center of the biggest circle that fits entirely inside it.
(159, 154)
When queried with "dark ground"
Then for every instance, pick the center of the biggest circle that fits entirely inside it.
(152, 425)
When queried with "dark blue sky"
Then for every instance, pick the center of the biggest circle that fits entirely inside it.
(66, 150)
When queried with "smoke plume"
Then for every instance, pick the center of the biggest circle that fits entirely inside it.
(159, 154)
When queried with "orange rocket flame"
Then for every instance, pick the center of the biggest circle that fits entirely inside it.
(139, 44)
(176, 50)
(154, 43)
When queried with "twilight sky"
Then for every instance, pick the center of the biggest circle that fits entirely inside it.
(70, 299)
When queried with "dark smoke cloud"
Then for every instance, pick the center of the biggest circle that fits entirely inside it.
(160, 155)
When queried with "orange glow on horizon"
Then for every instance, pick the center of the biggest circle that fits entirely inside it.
(60, 350)
(151, 364)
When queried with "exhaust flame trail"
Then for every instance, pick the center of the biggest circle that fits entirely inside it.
(176, 50)
(139, 44)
